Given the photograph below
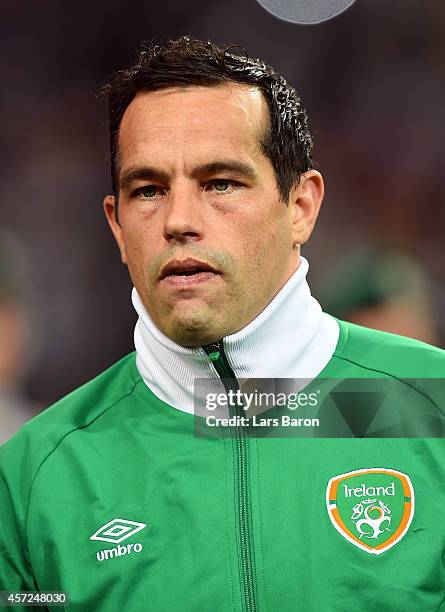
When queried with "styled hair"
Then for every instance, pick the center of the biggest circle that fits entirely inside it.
(286, 141)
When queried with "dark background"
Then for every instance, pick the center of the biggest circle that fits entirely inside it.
(372, 81)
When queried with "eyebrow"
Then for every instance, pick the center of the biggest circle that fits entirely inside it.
(140, 173)
(226, 165)
(151, 173)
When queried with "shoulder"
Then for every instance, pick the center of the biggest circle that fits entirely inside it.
(401, 381)
(389, 354)
(40, 436)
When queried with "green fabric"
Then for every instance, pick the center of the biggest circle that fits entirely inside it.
(112, 450)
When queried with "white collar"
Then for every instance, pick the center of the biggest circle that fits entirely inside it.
(290, 338)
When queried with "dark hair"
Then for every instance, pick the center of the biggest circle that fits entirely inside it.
(184, 62)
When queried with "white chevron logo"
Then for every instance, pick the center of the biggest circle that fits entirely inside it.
(117, 530)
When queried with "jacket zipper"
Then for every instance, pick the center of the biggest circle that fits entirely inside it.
(217, 356)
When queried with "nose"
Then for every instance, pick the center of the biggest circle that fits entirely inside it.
(184, 215)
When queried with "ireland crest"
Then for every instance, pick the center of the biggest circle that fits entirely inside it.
(371, 508)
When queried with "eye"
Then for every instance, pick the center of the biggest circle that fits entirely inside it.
(223, 185)
(148, 192)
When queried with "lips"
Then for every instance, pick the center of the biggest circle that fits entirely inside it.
(186, 267)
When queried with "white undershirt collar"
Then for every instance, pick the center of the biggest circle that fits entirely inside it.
(290, 338)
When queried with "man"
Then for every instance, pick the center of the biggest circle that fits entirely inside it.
(110, 495)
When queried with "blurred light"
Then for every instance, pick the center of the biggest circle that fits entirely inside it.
(306, 12)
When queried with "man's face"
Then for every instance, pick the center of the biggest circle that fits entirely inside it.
(207, 241)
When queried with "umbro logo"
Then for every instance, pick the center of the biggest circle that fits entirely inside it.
(116, 531)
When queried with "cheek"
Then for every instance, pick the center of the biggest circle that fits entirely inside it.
(137, 252)
(267, 242)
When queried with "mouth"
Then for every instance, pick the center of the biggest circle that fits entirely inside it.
(188, 271)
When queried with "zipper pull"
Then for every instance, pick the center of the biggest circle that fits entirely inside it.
(213, 350)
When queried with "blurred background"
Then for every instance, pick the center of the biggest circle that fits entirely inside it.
(373, 82)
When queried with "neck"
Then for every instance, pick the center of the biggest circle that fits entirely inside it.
(290, 338)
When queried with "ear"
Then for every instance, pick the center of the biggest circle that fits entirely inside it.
(110, 208)
(305, 198)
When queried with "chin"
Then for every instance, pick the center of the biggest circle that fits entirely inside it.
(194, 331)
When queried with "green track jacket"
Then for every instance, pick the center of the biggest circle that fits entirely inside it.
(111, 497)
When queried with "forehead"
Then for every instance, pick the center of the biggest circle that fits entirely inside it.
(226, 118)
